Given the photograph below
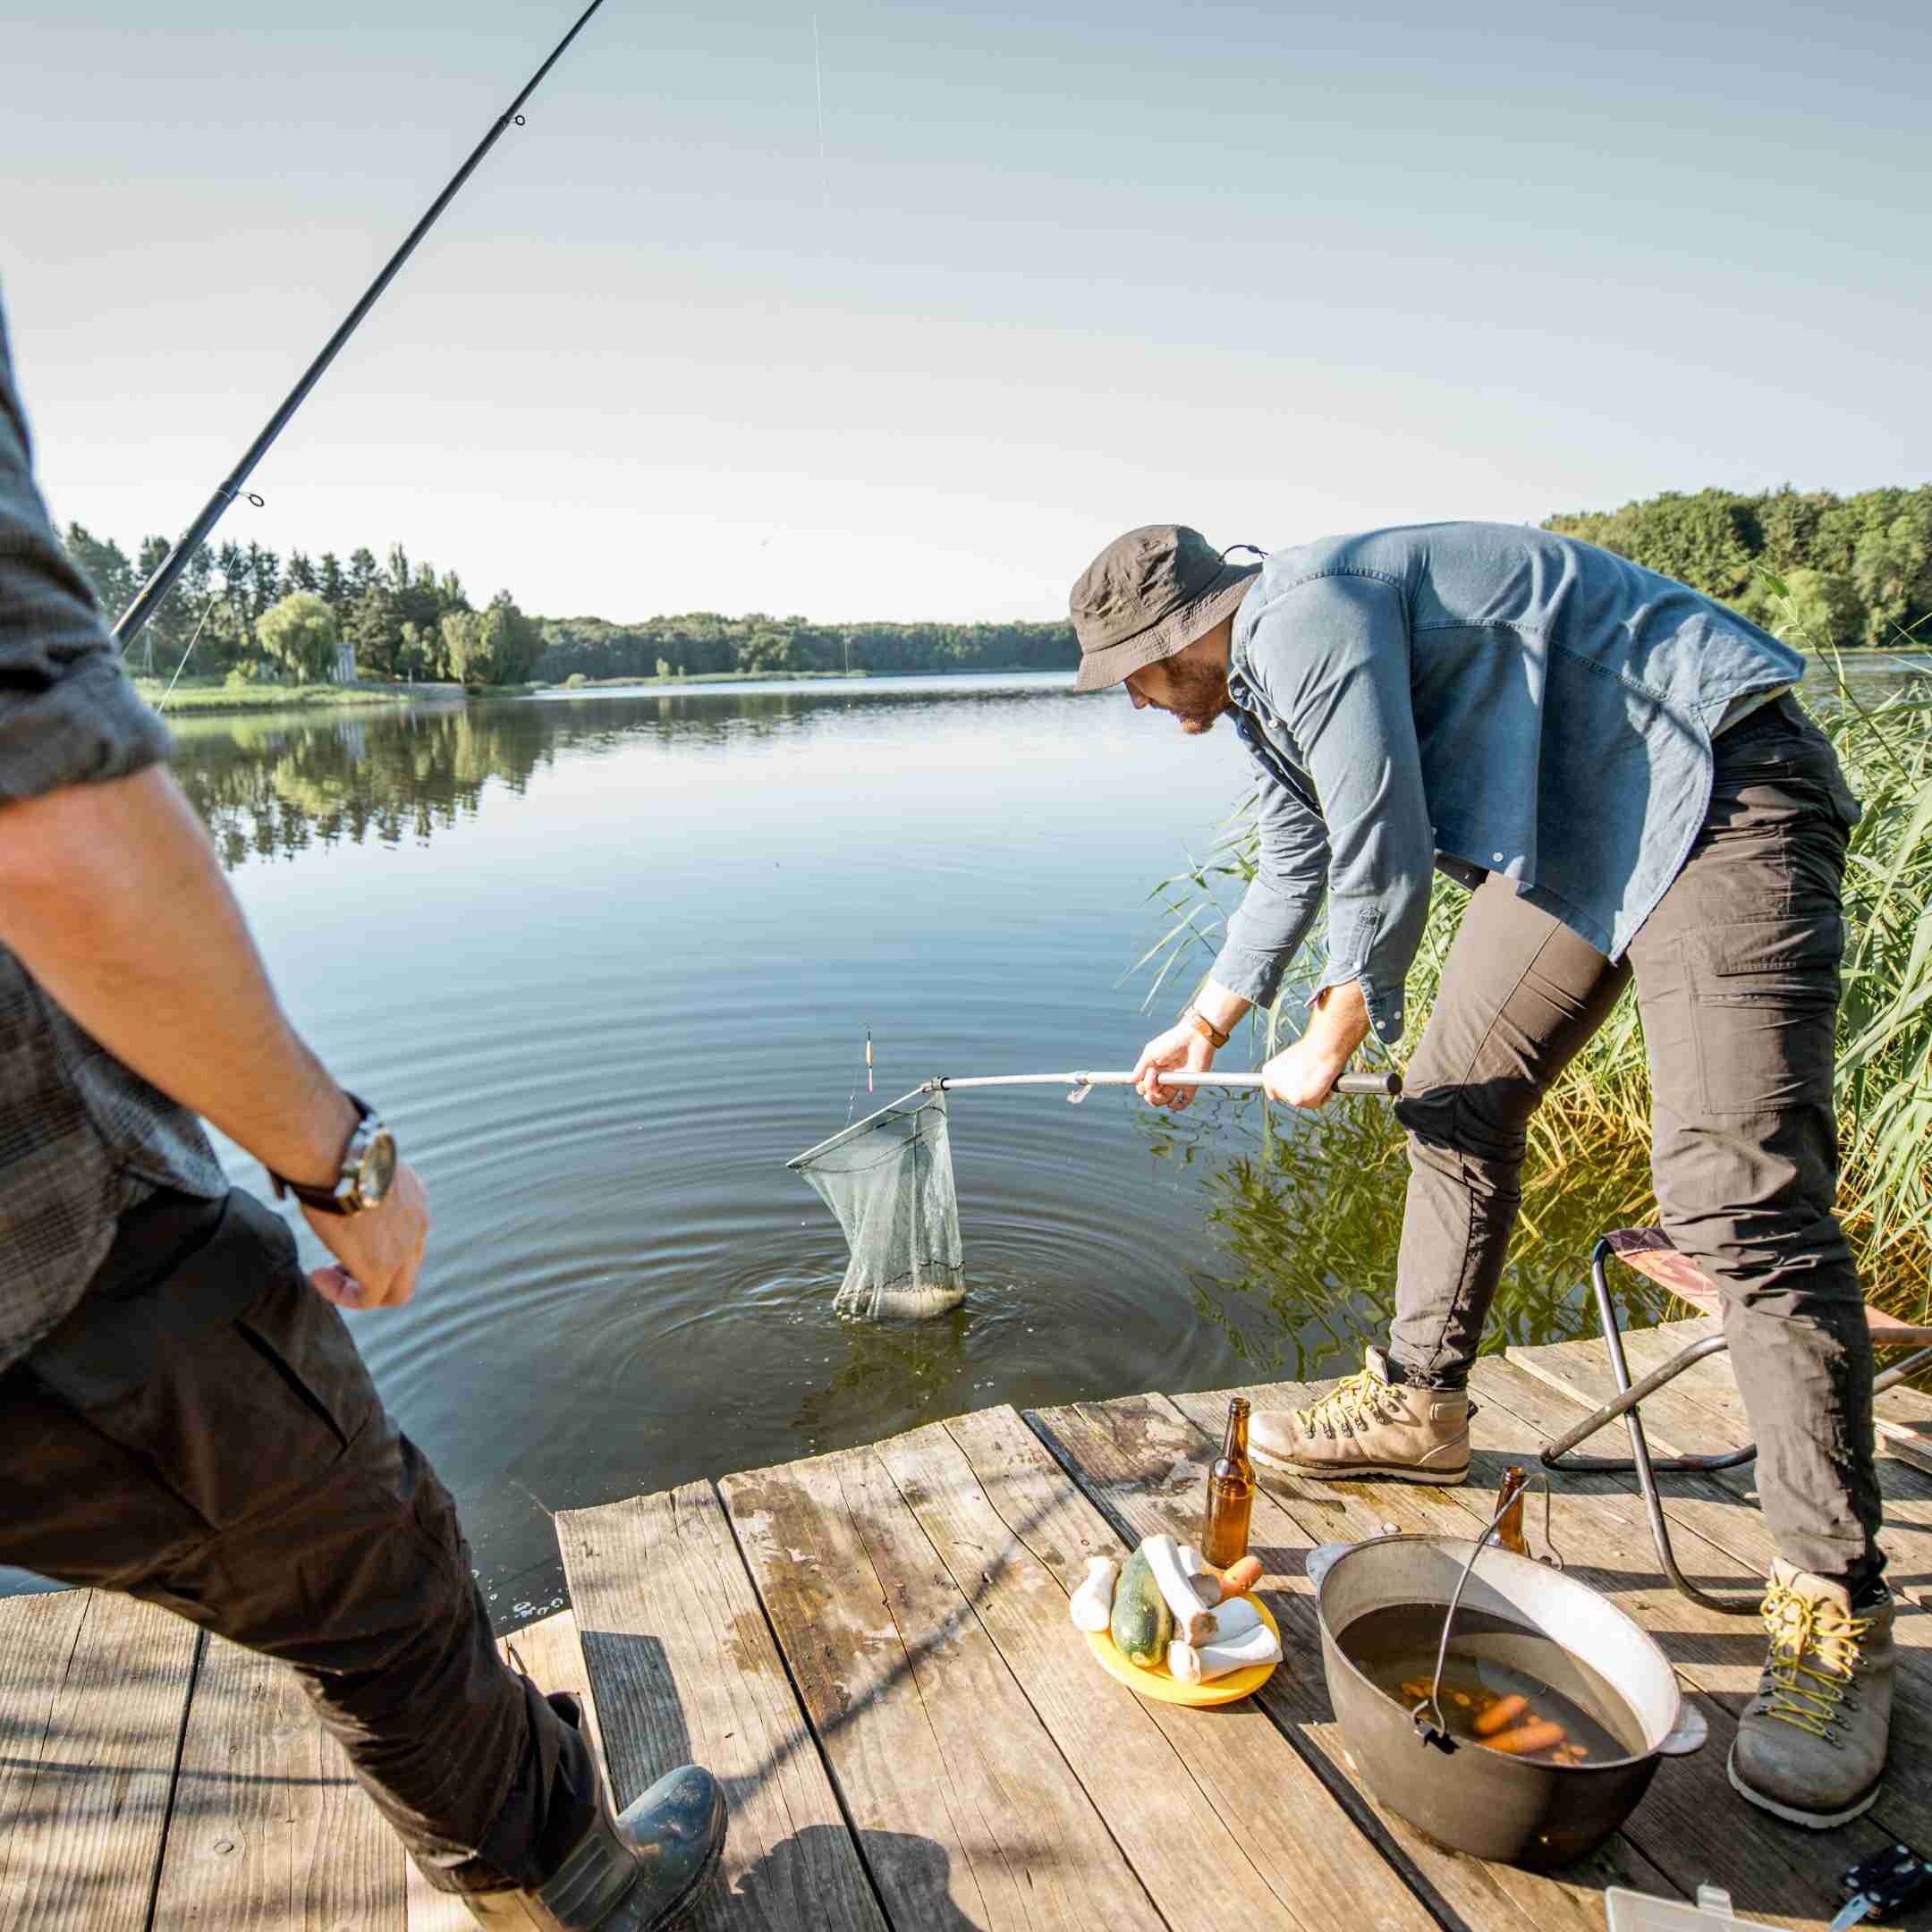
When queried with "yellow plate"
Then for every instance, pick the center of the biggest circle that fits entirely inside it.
(1168, 1689)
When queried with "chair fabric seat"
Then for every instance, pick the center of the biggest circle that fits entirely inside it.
(1649, 1250)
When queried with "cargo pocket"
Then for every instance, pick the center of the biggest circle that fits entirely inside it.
(235, 1414)
(1765, 999)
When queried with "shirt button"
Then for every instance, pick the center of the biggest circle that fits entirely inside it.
(1495, 859)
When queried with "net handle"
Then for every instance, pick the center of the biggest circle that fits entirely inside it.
(1384, 1086)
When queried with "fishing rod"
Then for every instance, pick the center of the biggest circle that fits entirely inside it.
(191, 541)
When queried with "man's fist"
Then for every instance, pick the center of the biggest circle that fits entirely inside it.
(1180, 1049)
(378, 1252)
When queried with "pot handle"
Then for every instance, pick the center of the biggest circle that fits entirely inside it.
(1320, 1561)
(1691, 1734)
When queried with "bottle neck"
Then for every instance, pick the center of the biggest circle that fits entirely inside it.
(1234, 1441)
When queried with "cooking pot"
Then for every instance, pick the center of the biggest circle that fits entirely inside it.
(1461, 1794)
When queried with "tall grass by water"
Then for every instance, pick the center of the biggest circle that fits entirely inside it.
(1328, 1192)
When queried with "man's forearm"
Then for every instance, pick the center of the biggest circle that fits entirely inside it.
(1220, 1008)
(111, 897)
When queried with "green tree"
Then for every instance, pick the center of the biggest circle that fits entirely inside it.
(1892, 571)
(374, 623)
(300, 633)
(105, 565)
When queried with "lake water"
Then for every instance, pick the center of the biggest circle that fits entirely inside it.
(607, 961)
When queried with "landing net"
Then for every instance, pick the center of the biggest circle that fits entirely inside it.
(889, 1180)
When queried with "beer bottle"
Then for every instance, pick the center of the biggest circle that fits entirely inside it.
(1231, 1486)
(1509, 1529)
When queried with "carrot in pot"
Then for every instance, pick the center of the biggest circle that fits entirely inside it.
(1501, 1714)
(1526, 1740)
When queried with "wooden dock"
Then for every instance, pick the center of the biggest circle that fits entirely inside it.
(872, 1650)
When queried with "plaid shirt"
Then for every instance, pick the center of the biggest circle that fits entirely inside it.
(82, 1138)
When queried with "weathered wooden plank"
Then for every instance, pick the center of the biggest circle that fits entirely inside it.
(965, 1810)
(1702, 1411)
(93, 1704)
(1301, 1840)
(37, 1636)
(1143, 1464)
(550, 1653)
(683, 1666)
(270, 1828)
(1200, 1874)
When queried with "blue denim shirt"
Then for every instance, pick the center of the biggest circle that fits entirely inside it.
(1483, 697)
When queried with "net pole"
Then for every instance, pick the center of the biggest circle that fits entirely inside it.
(1386, 1085)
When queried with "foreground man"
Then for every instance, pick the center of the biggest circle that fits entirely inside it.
(183, 1414)
(1611, 761)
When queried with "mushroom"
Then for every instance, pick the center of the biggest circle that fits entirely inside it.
(1092, 1602)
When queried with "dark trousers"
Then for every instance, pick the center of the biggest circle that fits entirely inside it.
(201, 1433)
(1736, 974)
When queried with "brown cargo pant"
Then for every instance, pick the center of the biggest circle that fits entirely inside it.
(201, 1433)
(1737, 983)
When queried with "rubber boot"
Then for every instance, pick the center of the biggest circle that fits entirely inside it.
(638, 1871)
(1368, 1425)
(1812, 1749)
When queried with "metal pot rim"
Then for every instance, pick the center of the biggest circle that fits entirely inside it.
(1685, 1733)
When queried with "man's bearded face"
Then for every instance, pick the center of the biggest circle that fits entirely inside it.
(1195, 694)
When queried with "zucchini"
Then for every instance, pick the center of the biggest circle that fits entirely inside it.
(1141, 1625)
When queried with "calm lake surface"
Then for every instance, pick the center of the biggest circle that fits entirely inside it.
(606, 962)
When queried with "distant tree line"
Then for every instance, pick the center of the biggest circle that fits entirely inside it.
(703, 642)
(267, 615)
(1858, 569)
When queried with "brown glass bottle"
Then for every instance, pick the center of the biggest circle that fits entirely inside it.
(1230, 1487)
(1509, 1529)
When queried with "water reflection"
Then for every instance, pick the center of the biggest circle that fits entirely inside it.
(272, 785)
(1307, 1224)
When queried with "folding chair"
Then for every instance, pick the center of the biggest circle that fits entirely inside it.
(1648, 1251)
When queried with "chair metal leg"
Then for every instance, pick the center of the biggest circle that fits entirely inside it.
(1640, 1463)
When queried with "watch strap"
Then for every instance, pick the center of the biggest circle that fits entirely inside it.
(328, 1200)
(1204, 1026)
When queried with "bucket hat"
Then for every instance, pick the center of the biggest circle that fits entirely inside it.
(1149, 595)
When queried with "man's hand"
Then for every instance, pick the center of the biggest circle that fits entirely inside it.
(1180, 1049)
(1304, 1074)
(379, 1251)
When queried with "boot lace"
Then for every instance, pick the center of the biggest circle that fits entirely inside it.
(1357, 1402)
(1814, 1659)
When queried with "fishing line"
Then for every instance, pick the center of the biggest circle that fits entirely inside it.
(817, 68)
(213, 600)
(149, 600)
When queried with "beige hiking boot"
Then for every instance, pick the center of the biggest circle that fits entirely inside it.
(1811, 1750)
(1369, 1426)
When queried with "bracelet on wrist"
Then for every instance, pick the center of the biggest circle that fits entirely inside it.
(1194, 1017)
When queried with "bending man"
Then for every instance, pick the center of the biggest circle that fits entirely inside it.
(1615, 764)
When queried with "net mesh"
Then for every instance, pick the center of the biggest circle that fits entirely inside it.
(889, 1180)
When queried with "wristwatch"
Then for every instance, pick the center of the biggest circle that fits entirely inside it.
(367, 1167)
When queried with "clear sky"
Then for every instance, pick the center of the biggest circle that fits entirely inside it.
(1269, 270)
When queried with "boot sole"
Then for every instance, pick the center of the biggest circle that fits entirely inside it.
(1811, 1820)
(1328, 1472)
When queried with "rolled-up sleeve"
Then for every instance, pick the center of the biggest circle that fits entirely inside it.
(1333, 653)
(69, 714)
(1266, 929)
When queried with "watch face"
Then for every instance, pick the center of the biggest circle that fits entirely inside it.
(379, 1168)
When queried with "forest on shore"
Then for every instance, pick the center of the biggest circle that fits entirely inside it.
(1822, 568)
